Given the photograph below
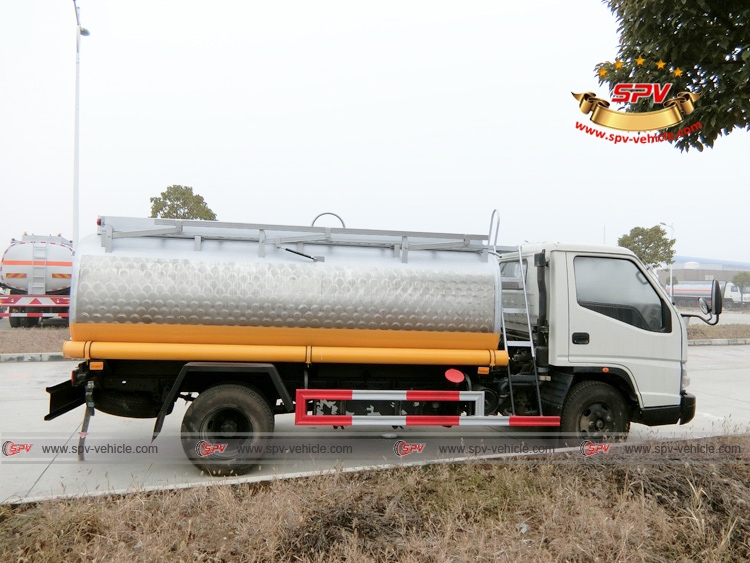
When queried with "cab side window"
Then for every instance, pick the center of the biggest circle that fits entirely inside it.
(618, 289)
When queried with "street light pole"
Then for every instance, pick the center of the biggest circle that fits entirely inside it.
(80, 31)
(671, 280)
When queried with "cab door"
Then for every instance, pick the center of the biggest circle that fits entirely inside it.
(617, 318)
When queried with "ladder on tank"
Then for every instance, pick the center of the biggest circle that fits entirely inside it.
(518, 342)
(38, 281)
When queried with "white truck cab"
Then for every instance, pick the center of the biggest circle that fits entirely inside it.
(608, 321)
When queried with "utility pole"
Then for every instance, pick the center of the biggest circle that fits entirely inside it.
(80, 31)
(671, 280)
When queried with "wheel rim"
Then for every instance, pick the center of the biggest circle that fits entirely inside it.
(226, 426)
(596, 420)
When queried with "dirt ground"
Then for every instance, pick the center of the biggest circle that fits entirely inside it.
(33, 340)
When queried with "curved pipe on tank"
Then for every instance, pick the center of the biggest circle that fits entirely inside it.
(343, 225)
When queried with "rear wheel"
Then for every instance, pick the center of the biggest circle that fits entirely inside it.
(595, 412)
(29, 322)
(15, 322)
(225, 429)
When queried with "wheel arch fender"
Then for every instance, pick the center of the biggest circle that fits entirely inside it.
(239, 373)
(562, 380)
(618, 378)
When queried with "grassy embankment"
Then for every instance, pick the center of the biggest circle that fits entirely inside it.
(560, 508)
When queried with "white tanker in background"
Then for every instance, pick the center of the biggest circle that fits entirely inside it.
(352, 327)
(36, 271)
(688, 293)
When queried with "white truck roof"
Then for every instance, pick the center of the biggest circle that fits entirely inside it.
(534, 247)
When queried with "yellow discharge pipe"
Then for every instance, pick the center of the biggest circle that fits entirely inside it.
(182, 352)
(421, 356)
(296, 354)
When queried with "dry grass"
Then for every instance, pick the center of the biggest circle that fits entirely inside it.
(557, 509)
(699, 331)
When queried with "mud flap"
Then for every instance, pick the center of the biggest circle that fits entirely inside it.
(63, 398)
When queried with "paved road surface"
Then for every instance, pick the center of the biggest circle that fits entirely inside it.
(720, 379)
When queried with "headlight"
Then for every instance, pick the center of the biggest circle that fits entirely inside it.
(684, 378)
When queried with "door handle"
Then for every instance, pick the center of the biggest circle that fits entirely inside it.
(580, 338)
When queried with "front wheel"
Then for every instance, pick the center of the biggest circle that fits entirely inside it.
(595, 412)
(225, 429)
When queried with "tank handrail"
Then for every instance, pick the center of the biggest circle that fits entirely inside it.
(210, 225)
(494, 222)
(123, 227)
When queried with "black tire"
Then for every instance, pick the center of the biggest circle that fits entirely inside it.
(29, 322)
(226, 428)
(15, 322)
(595, 412)
(130, 405)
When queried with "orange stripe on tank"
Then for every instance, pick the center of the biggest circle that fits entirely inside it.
(281, 336)
(36, 263)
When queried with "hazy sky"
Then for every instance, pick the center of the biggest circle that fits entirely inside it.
(417, 115)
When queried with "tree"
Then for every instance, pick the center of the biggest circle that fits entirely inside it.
(179, 202)
(706, 47)
(742, 279)
(650, 245)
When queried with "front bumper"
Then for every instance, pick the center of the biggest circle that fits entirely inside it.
(687, 407)
(672, 414)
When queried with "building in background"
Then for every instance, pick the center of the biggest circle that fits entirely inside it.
(688, 268)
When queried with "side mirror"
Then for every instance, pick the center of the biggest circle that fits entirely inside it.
(716, 298)
(703, 306)
(715, 307)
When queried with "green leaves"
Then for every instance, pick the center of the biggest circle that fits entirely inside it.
(179, 202)
(708, 41)
(650, 245)
(742, 279)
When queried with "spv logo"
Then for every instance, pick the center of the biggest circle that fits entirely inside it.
(630, 93)
(589, 448)
(402, 448)
(205, 449)
(634, 81)
(11, 448)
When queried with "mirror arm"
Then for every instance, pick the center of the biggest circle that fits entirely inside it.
(711, 320)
